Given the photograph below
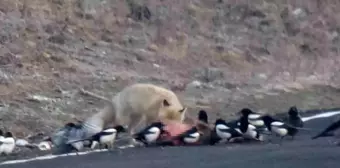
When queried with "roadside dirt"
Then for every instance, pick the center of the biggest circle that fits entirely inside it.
(217, 55)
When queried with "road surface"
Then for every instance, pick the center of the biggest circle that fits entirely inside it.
(301, 152)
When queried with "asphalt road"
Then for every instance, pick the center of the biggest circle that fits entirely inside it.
(301, 152)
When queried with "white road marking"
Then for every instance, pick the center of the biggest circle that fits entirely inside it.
(322, 115)
(50, 156)
(47, 157)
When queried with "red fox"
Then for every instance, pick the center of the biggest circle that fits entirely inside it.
(136, 104)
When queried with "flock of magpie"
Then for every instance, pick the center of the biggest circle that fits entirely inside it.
(249, 126)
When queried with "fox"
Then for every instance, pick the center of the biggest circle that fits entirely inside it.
(136, 104)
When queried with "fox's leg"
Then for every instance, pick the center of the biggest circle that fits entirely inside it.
(135, 120)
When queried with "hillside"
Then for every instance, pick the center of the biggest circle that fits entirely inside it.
(222, 55)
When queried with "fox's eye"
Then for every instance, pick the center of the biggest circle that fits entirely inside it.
(181, 111)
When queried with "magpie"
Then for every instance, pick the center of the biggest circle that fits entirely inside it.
(74, 134)
(208, 135)
(225, 131)
(248, 130)
(278, 127)
(45, 144)
(150, 134)
(253, 117)
(328, 131)
(7, 144)
(189, 137)
(294, 117)
(61, 138)
(1, 135)
(106, 136)
(24, 143)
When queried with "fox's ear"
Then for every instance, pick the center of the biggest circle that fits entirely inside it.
(166, 103)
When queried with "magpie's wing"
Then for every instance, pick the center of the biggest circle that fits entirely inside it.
(189, 136)
(103, 133)
(296, 122)
(229, 130)
(143, 132)
(185, 134)
(60, 136)
(262, 129)
(233, 123)
(76, 135)
(224, 129)
(234, 132)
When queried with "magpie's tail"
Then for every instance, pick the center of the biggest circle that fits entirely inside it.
(138, 138)
(323, 134)
(165, 143)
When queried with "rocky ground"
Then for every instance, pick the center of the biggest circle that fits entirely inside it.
(218, 55)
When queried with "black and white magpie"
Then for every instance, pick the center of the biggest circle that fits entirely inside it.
(7, 144)
(189, 137)
(278, 127)
(248, 130)
(253, 117)
(106, 137)
(150, 134)
(225, 131)
(45, 144)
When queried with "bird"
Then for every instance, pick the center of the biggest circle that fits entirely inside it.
(189, 137)
(203, 116)
(294, 117)
(208, 137)
(75, 132)
(253, 117)
(106, 137)
(249, 113)
(279, 127)
(248, 130)
(150, 134)
(63, 139)
(24, 143)
(225, 131)
(45, 144)
(328, 131)
(7, 144)
(1, 135)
